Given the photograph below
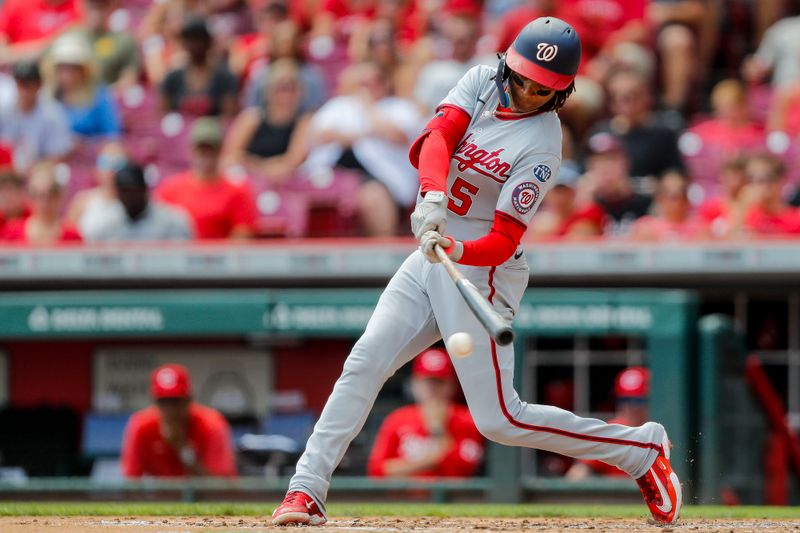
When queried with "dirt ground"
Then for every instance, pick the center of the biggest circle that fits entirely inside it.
(134, 524)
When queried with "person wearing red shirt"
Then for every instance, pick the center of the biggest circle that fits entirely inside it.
(28, 26)
(44, 225)
(13, 203)
(220, 209)
(722, 213)
(730, 132)
(435, 437)
(673, 219)
(176, 437)
(251, 50)
(632, 390)
(767, 212)
(564, 217)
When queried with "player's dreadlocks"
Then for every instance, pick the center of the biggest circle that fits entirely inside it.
(560, 98)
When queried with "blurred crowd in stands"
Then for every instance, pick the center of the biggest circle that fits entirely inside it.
(126, 120)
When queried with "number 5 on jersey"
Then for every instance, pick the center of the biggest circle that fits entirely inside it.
(461, 194)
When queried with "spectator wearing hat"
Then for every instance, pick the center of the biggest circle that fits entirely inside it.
(28, 26)
(434, 437)
(115, 52)
(632, 391)
(91, 109)
(609, 184)
(35, 126)
(204, 86)
(176, 437)
(672, 218)
(44, 225)
(567, 212)
(139, 218)
(219, 208)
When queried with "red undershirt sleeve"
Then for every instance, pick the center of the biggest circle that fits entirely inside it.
(432, 150)
(496, 247)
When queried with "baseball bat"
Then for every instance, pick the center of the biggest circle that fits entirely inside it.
(492, 322)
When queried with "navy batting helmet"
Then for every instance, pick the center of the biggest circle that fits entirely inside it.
(547, 51)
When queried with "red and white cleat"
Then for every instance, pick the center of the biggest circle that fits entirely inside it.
(298, 508)
(662, 489)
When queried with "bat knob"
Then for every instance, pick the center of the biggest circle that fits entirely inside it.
(505, 336)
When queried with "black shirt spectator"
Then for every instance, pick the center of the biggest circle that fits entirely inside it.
(651, 147)
(204, 87)
(623, 211)
(207, 101)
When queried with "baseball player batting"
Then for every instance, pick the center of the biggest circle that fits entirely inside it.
(485, 161)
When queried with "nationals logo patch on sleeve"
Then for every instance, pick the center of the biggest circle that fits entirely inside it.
(524, 197)
(542, 173)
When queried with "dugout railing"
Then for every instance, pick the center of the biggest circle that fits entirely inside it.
(664, 319)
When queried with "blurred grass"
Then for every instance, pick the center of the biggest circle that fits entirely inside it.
(386, 509)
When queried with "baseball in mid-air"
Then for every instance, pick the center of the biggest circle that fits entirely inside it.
(460, 344)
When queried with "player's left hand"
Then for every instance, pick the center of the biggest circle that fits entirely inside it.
(430, 214)
(431, 238)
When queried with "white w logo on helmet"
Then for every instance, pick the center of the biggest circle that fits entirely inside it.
(546, 52)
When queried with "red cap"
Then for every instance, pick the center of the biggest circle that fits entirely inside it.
(633, 382)
(433, 363)
(170, 381)
(603, 143)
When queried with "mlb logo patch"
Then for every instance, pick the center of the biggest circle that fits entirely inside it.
(524, 197)
(542, 173)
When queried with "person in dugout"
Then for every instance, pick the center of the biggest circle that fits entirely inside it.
(434, 437)
(176, 437)
(632, 391)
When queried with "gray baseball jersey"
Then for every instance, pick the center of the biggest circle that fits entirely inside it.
(503, 165)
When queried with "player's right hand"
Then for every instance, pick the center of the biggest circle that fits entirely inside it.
(431, 238)
(430, 214)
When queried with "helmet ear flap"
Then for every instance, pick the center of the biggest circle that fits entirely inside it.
(500, 78)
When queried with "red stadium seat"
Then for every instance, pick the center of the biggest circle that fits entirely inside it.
(330, 61)
(338, 188)
(172, 149)
(282, 214)
(138, 106)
